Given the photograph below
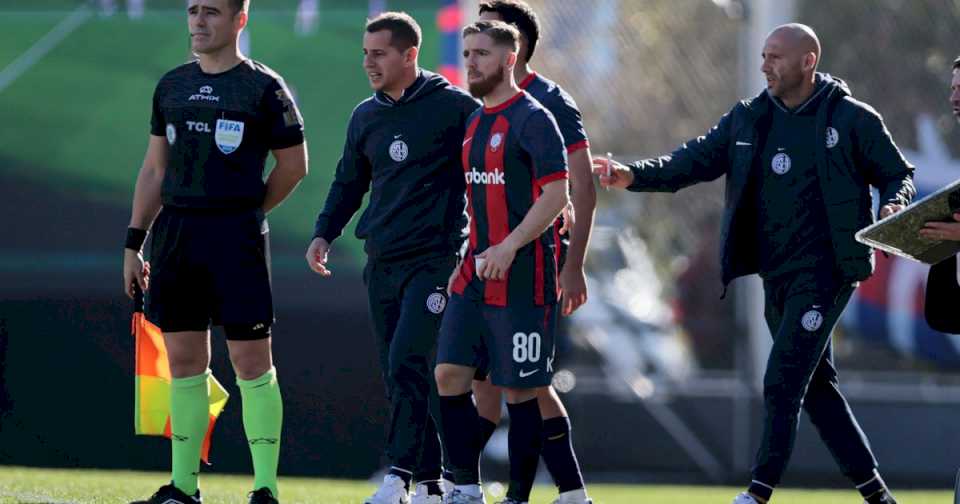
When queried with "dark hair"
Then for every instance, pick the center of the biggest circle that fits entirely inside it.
(240, 5)
(956, 63)
(404, 30)
(519, 14)
(502, 33)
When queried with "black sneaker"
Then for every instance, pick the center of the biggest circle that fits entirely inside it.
(169, 494)
(263, 496)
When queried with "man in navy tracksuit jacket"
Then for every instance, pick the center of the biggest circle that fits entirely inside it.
(799, 160)
(403, 145)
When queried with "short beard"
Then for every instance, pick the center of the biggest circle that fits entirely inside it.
(487, 85)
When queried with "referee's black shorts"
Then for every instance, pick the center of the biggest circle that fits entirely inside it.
(210, 267)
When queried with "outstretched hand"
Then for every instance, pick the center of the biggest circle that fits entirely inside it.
(612, 173)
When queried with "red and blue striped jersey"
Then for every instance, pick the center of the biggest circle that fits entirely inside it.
(509, 153)
(565, 111)
(563, 108)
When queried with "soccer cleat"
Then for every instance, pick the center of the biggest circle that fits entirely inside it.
(391, 491)
(422, 496)
(169, 494)
(744, 498)
(559, 501)
(263, 496)
(508, 500)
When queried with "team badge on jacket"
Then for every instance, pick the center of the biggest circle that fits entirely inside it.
(781, 163)
(436, 302)
(812, 320)
(832, 137)
(229, 135)
(399, 151)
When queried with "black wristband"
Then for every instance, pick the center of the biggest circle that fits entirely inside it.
(135, 239)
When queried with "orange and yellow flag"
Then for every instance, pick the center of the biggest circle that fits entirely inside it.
(151, 414)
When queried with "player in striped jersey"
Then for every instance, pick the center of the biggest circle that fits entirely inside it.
(557, 447)
(503, 305)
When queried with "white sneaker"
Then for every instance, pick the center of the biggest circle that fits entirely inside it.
(744, 498)
(458, 497)
(422, 496)
(392, 491)
(578, 496)
(447, 486)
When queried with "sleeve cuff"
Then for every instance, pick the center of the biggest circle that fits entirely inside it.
(637, 184)
(574, 147)
(322, 230)
(287, 142)
(552, 177)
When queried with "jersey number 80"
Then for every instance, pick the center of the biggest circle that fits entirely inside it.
(526, 347)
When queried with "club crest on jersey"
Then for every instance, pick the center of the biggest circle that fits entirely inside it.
(832, 137)
(399, 151)
(495, 141)
(781, 163)
(228, 136)
(812, 320)
(436, 302)
(171, 134)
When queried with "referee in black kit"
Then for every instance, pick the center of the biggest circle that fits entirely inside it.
(404, 142)
(799, 161)
(201, 187)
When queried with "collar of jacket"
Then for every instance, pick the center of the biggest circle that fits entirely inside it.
(408, 94)
(760, 105)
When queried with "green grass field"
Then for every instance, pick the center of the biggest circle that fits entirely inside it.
(19, 485)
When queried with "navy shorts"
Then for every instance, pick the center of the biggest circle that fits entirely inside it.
(210, 268)
(514, 342)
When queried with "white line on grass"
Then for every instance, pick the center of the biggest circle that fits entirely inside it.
(40, 48)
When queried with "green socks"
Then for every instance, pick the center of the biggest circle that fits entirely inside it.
(189, 420)
(262, 419)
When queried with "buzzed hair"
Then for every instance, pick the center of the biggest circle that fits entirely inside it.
(240, 5)
(404, 30)
(519, 14)
(502, 33)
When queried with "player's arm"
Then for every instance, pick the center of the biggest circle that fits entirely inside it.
(584, 196)
(351, 182)
(290, 169)
(498, 258)
(702, 159)
(146, 206)
(885, 166)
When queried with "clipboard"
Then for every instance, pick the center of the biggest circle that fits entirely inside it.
(898, 233)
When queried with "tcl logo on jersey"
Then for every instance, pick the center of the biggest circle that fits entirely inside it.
(199, 127)
(495, 177)
(205, 94)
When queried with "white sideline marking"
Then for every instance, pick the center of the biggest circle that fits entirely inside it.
(40, 48)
